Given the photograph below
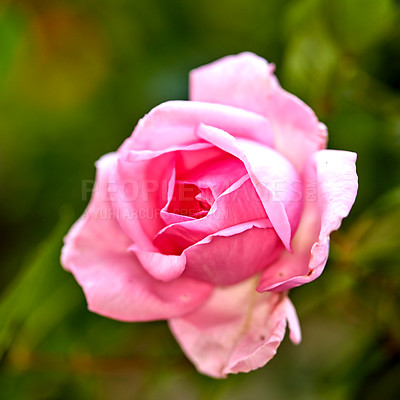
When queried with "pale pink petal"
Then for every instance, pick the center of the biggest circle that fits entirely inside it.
(297, 131)
(160, 266)
(236, 330)
(173, 124)
(331, 188)
(233, 254)
(293, 322)
(244, 81)
(247, 81)
(273, 177)
(114, 282)
(139, 192)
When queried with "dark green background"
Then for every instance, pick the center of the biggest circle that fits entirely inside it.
(75, 76)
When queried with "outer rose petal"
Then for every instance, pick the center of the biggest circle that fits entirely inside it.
(332, 174)
(173, 124)
(236, 330)
(247, 81)
(114, 282)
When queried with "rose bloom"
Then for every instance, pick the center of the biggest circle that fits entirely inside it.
(210, 212)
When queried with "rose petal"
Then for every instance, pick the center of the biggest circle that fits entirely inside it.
(293, 322)
(173, 124)
(332, 187)
(217, 175)
(244, 81)
(208, 179)
(160, 266)
(141, 184)
(236, 330)
(140, 192)
(238, 204)
(114, 282)
(247, 81)
(273, 177)
(233, 254)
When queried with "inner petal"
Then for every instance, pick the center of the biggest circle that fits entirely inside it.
(193, 193)
(214, 176)
(199, 179)
(237, 205)
(189, 201)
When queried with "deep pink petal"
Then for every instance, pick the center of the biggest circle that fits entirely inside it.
(173, 124)
(114, 282)
(233, 254)
(141, 183)
(236, 330)
(210, 178)
(247, 81)
(331, 182)
(273, 177)
(238, 204)
(217, 175)
(194, 190)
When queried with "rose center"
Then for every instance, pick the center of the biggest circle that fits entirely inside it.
(189, 200)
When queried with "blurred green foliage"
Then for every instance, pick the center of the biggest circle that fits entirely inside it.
(75, 76)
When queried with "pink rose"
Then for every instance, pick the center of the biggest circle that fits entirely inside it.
(210, 212)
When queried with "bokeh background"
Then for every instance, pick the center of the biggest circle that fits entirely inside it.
(75, 77)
